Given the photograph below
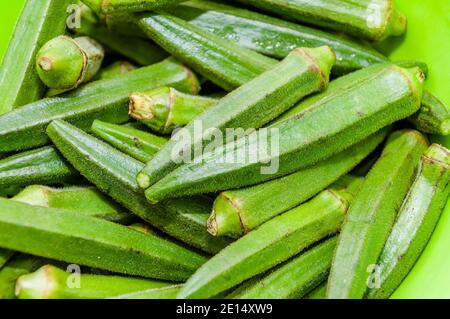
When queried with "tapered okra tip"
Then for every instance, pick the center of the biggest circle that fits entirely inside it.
(323, 58)
(225, 219)
(38, 285)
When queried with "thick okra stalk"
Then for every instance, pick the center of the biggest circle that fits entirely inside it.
(295, 278)
(416, 221)
(169, 292)
(114, 173)
(50, 282)
(165, 109)
(220, 61)
(136, 143)
(274, 242)
(104, 100)
(65, 235)
(114, 70)
(373, 20)
(120, 6)
(83, 200)
(372, 214)
(19, 82)
(238, 211)
(64, 63)
(40, 166)
(346, 117)
(257, 102)
(5, 255)
(433, 117)
(271, 36)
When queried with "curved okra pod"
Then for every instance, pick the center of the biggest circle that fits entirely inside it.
(257, 102)
(271, 244)
(372, 214)
(433, 117)
(121, 6)
(114, 70)
(136, 143)
(165, 109)
(416, 221)
(50, 282)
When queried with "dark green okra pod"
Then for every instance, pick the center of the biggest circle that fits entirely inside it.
(416, 221)
(372, 214)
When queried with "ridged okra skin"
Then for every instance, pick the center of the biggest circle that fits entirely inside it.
(39, 22)
(44, 165)
(169, 292)
(257, 102)
(121, 6)
(50, 282)
(271, 244)
(114, 173)
(136, 143)
(433, 117)
(220, 61)
(416, 221)
(346, 118)
(373, 213)
(271, 36)
(114, 70)
(66, 236)
(239, 211)
(373, 20)
(293, 279)
(105, 100)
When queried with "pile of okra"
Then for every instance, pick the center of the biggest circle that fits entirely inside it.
(119, 178)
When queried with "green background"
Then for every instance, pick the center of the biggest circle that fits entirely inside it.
(427, 39)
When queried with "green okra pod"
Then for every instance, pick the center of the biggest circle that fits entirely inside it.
(257, 102)
(220, 61)
(271, 244)
(39, 22)
(114, 70)
(373, 20)
(346, 117)
(64, 63)
(5, 255)
(295, 278)
(372, 214)
(65, 235)
(165, 109)
(238, 211)
(83, 200)
(114, 173)
(39, 166)
(136, 143)
(106, 100)
(433, 117)
(169, 292)
(50, 282)
(416, 221)
(119, 6)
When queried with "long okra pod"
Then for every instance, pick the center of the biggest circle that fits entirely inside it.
(115, 174)
(372, 214)
(19, 82)
(346, 118)
(105, 100)
(119, 6)
(416, 221)
(257, 102)
(269, 245)
(236, 212)
(66, 236)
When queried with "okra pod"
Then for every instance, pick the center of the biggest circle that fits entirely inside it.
(239, 211)
(271, 36)
(274, 242)
(120, 6)
(65, 235)
(114, 70)
(50, 282)
(220, 61)
(39, 22)
(104, 100)
(318, 293)
(416, 221)
(84, 200)
(373, 20)
(257, 102)
(165, 109)
(40, 166)
(5, 255)
(372, 214)
(293, 279)
(64, 63)
(433, 117)
(345, 120)
(169, 292)
(114, 173)
(136, 143)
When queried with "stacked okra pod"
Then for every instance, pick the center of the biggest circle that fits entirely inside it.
(298, 160)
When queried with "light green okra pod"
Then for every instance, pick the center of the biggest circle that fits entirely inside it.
(169, 292)
(120, 6)
(416, 221)
(373, 213)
